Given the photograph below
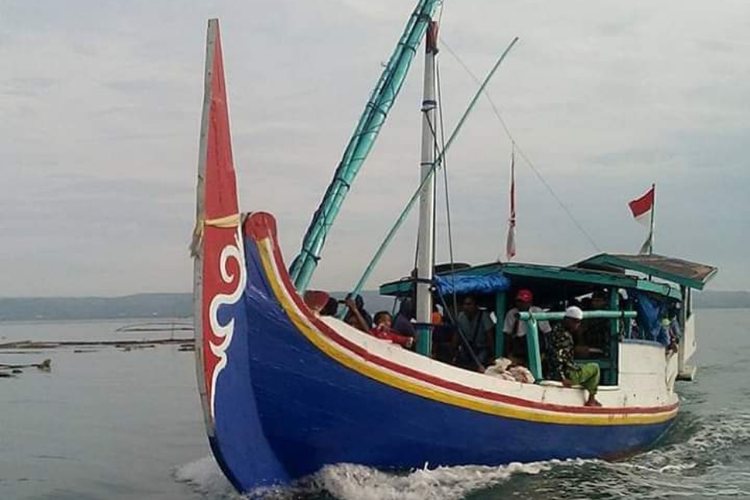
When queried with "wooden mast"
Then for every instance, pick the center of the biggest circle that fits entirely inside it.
(426, 239)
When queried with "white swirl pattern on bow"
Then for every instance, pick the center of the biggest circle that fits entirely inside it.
(225, 332)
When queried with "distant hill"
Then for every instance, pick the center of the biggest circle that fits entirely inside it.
(722, 300)
(144, 305)
(180, 305)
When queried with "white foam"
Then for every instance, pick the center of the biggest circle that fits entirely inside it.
(717, 433)
(696, 467)
(356, 482)
(688, 468)
(205, 476)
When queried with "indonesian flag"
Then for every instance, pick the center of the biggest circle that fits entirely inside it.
(510, 243)
(643, 211)
(642, 207)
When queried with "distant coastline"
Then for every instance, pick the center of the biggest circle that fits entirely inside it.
(180, 305)
(142, 305)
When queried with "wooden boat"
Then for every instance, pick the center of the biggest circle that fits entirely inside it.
(286, 391)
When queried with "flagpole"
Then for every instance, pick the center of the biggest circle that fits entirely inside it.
(510, 241)
(653, 214)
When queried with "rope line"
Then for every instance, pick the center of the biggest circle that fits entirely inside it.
(521, 152)
(447, 193)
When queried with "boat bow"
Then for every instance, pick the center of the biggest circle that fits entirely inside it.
(234, 431)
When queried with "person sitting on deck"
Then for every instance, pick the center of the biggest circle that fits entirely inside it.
(560, 350)
(437, 317)
(360, 302)
(331, 307)
(402, 322)
(443, 337)
(477, 328)
(382, 328)
(515, 329)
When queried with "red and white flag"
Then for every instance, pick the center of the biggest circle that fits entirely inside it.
(510, 243)
(642, 207)
(643, 211)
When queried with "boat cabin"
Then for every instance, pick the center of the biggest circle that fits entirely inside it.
(647, 297)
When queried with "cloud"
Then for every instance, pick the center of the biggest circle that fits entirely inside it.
(101, 105)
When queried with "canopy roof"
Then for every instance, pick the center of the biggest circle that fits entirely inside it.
(543, 279)
(682, 272)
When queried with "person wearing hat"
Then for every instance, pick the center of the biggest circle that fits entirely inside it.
(515, 329)
(560, 357)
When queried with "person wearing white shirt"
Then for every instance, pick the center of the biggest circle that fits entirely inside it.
(515, 330)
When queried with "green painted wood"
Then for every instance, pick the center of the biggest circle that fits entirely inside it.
(552, 273)
(628, 324)
(532, 318)
(424, 340)
(662, 289)
(500, 314)
(396, 288)
(611, 375)
(532, 339)
(610, 260)
(557, 316)
(543, 272)
(568, 274)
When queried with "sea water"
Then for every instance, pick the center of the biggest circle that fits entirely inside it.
(114, 424)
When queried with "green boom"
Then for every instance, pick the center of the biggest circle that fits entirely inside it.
(368, 127)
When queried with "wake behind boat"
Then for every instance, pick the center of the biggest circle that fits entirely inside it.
(286, 390)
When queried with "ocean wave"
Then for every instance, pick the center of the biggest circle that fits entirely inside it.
(359, 482)
(697, 459)
(355, 482)
(204, 476)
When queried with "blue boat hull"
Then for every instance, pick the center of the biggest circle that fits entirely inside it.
(284, 407)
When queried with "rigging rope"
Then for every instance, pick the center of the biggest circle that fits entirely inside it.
(445, 182)
(521, 152)
(438, 162)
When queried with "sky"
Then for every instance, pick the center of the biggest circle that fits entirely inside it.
(101, 101)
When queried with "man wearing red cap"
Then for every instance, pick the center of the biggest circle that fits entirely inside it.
(515, 329)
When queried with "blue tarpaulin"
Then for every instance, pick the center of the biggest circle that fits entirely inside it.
(650, 314)
(491, 283)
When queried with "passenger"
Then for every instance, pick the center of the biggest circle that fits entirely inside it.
(402, 322)
(383, 320)
(354, 317)
(595, 332)
(331, 307)
(360, 302)
(515, 329)
(437, 318)
(443, 336)
(478, 329)
(662, 336)
(560, 357)
(382, 329)
(675, 330)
